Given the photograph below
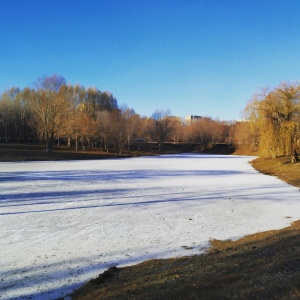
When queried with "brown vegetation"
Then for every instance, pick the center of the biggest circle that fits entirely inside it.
(36, 152)
(274, 116)
(54, 111)
(281, 167)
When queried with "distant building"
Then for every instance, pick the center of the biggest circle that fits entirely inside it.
(191, 119)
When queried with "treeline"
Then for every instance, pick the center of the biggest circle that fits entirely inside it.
(56, 112)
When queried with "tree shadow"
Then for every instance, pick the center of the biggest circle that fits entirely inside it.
(62, 277)
(29, 202)
(108, 176)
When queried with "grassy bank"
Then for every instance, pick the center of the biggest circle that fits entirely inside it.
(281, 167)
(36, 152)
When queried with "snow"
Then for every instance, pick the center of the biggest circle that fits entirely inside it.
(62, 223)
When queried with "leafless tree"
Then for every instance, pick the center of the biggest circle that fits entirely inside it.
(161, 127)
(49, 107)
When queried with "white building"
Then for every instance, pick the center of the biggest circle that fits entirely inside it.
(191, 119)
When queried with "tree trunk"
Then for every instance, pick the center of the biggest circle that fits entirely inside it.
(49, 142)
(295, 158)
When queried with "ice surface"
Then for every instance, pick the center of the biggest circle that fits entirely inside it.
(62, 223)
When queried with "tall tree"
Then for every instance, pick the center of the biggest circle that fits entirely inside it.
(6, 114)
(104, 128)
(132, 125)
(117, 131)
(14, 115)
(275, 115)
(81, 128)
(50, 107)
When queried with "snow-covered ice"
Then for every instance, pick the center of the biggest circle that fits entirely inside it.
(62, 223)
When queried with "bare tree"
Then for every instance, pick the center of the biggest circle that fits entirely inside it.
(243, 136)
(81, 128)
(6, 114)
(104, 128)
(118, 131)
(50, 108)
(206, 132)
(14, 114)
(161, 127)
(132, 125)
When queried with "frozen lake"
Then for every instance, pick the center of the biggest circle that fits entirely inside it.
(62, 223)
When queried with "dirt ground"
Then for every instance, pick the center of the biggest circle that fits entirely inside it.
(36, 152)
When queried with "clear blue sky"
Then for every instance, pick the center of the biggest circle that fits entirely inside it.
(203, 57)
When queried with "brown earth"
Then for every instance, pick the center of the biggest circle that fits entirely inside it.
(281, 167)
(36, 152)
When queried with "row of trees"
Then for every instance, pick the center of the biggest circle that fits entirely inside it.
(51, 110)
(55, 111)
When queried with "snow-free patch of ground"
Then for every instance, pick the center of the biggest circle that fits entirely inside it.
(62, 223)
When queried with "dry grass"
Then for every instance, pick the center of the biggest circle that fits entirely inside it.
(10, 153)
(281, 167)
(36, 152)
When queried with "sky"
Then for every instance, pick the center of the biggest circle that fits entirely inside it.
(193, 57)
